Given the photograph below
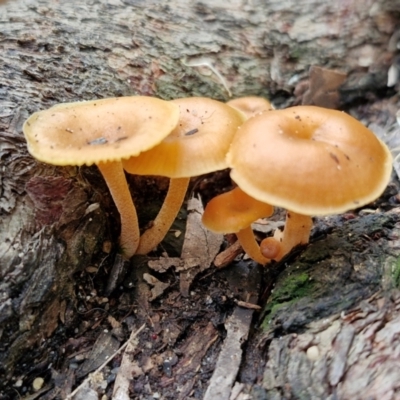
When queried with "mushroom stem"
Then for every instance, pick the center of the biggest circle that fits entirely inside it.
(297, 231)
(114, 176)
(250, 245)
(166, 216)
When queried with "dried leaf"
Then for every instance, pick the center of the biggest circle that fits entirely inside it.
(199, 249)
(158, 286)
(323, 90)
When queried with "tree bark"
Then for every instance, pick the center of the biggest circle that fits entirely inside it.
(55, 221)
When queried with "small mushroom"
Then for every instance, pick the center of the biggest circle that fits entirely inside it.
(250, 105)
(311, 161)
(234, 212)
(297, 232)
(198, 145)
(103, 132)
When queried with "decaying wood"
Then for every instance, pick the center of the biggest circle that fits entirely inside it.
(55, 221)
(333, 355)
(228, 255)
(354, 356)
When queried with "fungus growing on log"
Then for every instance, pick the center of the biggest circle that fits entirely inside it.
(310, 161)
(198, 145)
(234, 212)
(103, 132)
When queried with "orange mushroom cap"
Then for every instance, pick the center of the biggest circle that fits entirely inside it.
(250, 105)
(103, 132)
(233, 211)
(309, 160)
(96, 131)
(198, 145)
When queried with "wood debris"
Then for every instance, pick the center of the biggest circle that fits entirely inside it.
(245, 304)
(193, 351)
(230, 357)
(104, 347)
(158, 286)
(224, 258)
(127, 370)
(92, 378)
(199, 249)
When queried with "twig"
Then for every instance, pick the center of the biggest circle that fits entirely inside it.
(228, 255)
(206, 62)
(245, 304)
(133, 335)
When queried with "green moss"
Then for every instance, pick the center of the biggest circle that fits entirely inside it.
(271, 311)
(294, 286)
(396, 273)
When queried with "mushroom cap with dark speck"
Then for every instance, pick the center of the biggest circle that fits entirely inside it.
(198, 145)
(310, 160)
(96, 131)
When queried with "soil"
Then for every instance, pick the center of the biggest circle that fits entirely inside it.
(178, 350)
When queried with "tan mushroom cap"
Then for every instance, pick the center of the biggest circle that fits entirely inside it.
(197, 145)
(233, 211)
(309, 160)
(250, 105)
(100, 130)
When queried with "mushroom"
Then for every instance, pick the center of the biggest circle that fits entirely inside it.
(103, 132)
(234, 212)
(297, 231)
(197, 146)
(250, 105)
(310, 161)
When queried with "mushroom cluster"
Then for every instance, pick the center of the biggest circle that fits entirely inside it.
(103, 132)
(308, 160)
(234, 212)
(198, 145)
(141, 135)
